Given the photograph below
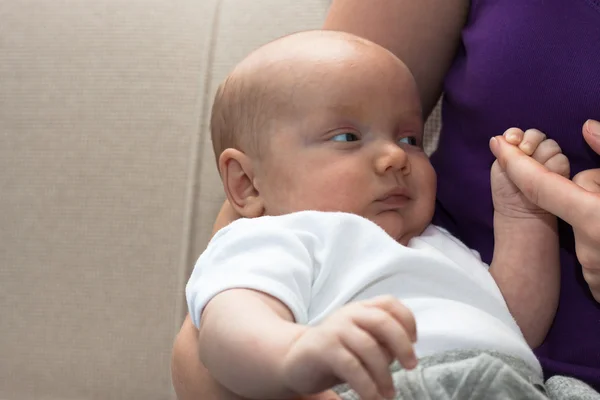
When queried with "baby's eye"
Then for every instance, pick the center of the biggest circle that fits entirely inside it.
(410, 140)
(346, 137)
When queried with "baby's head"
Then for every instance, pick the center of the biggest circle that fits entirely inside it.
(324, 121)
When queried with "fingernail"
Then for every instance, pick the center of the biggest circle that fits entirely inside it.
(411, 363)
(594, 127)
(493, 143)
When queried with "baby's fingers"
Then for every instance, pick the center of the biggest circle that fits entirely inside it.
(532, 138)
(514, 136)
(550, 155)
(327, 395)
(373, 357)
(527, 141)
(399, 311)
(389, 332)
(347, 367)
(546, 189)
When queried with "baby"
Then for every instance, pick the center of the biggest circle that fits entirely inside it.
(335, 271)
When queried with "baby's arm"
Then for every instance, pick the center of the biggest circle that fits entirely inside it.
(526, 264)
(527, 271)
(250, 342)
(244, 336)
(243, 332)
(252, 347)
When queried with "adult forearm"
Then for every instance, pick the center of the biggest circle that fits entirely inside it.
(244, 342)
(526, 267)
(191, 380)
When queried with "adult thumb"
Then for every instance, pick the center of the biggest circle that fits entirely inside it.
(591, 134)
(590, 179)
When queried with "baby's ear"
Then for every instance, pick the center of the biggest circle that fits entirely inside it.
(238, 175)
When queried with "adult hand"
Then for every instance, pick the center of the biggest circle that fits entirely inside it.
(227, 215)
(577, 202)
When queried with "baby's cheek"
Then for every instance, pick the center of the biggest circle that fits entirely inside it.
(393, 223)
(281, 199)
(336, 198)
(332, 189)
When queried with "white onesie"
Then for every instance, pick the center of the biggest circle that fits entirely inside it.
(315, 262)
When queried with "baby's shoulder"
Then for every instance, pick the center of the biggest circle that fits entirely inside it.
(317, 222)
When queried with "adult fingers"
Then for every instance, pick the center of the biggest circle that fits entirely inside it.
(548, 190)
(591, 134)
(227, 215)
(589, 180)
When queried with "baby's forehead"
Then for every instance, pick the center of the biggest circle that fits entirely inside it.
(315, 42)
(308, 49)
(326, 69)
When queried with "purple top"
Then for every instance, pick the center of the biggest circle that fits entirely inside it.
(529, 64)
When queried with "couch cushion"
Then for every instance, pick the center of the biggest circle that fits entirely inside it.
(99, 114)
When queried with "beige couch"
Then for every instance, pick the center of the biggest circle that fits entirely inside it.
(108, 188)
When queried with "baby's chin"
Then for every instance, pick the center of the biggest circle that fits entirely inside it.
(397, 226)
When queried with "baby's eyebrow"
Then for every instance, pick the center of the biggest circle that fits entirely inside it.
(412, 116)
(345, 109)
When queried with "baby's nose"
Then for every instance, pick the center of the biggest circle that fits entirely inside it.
(392, 158)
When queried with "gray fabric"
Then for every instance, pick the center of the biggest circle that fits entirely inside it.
(565, 388)
(464, 375)
(472, 375)
(517, 364)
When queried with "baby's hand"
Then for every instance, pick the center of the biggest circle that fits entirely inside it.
(508, 199)
(356, 345)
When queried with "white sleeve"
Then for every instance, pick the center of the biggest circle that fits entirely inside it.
(250, 255)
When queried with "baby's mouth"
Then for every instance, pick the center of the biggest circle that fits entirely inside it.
(394, 199)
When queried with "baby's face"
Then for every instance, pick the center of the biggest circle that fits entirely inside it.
(353, 143)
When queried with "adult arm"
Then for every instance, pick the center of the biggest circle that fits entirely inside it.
(191, 380)
(424, 34)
